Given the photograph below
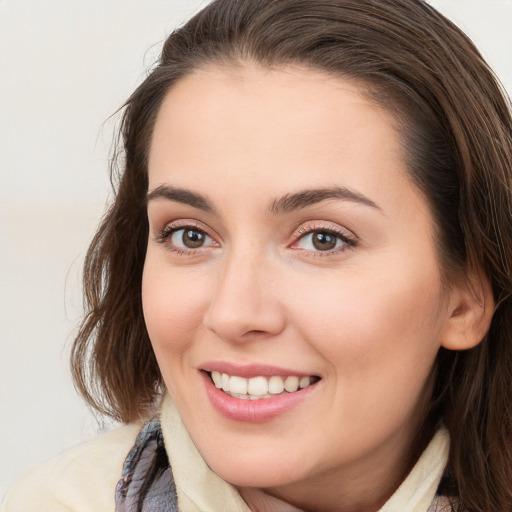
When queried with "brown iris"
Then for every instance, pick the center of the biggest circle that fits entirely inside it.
(324, 241)
(192, 238)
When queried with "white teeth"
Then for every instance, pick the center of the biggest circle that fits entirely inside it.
(238, 385)
(224, 382)
(257, 388)
(217, 379)
(275, 385)
(304, 382)
(291, 384)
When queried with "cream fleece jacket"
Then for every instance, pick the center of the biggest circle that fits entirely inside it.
(83, 479)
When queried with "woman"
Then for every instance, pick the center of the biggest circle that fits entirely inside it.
(303, 280)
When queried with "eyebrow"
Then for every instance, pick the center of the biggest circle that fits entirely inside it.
(285, 204)
(302, 199)
(181, 195)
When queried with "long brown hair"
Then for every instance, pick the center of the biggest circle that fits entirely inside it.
(456, 130)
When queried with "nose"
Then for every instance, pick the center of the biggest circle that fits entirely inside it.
(245, 304)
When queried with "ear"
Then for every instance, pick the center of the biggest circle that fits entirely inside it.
(471, 304)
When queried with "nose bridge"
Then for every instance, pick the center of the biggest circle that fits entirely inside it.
(244, 301)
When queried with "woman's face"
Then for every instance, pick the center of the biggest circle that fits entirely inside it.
(288, 247)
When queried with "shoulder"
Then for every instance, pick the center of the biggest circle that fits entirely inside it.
(82, 479)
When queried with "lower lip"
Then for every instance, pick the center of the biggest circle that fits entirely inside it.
(253, 411)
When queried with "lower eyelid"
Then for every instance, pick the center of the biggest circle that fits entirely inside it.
(342, 247)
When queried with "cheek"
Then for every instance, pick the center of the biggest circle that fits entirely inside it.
(371, 324)
(174, 305)
(380, 341)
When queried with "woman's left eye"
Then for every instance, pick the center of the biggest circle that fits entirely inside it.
(322, 241)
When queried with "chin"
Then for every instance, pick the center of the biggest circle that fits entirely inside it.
(255, 479)
(252, 472)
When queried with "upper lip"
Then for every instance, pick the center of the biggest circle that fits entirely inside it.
(250, 370)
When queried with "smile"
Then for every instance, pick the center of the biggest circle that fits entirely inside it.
(256, 393)
(260, 387)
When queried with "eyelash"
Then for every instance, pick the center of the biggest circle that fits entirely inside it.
(169, 230)
(349, 242)
(300, 234)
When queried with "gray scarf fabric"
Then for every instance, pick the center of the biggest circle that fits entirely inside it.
(147, 483)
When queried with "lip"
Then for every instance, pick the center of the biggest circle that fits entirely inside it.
(254, 411)
(250, 370)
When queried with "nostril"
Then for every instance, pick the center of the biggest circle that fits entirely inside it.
(254, 332)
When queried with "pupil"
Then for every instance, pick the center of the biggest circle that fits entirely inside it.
(193, 239)
(324, 241)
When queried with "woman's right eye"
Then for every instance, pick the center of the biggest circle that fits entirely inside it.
(187, 238)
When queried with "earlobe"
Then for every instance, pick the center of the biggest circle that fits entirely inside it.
(471, 310)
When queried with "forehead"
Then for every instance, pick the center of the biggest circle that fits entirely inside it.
(244, 136)
(261, 94)
(247, 118)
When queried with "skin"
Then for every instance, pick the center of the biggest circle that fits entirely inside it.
(367, 317)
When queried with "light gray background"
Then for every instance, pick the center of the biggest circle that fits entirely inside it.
(65, 67)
